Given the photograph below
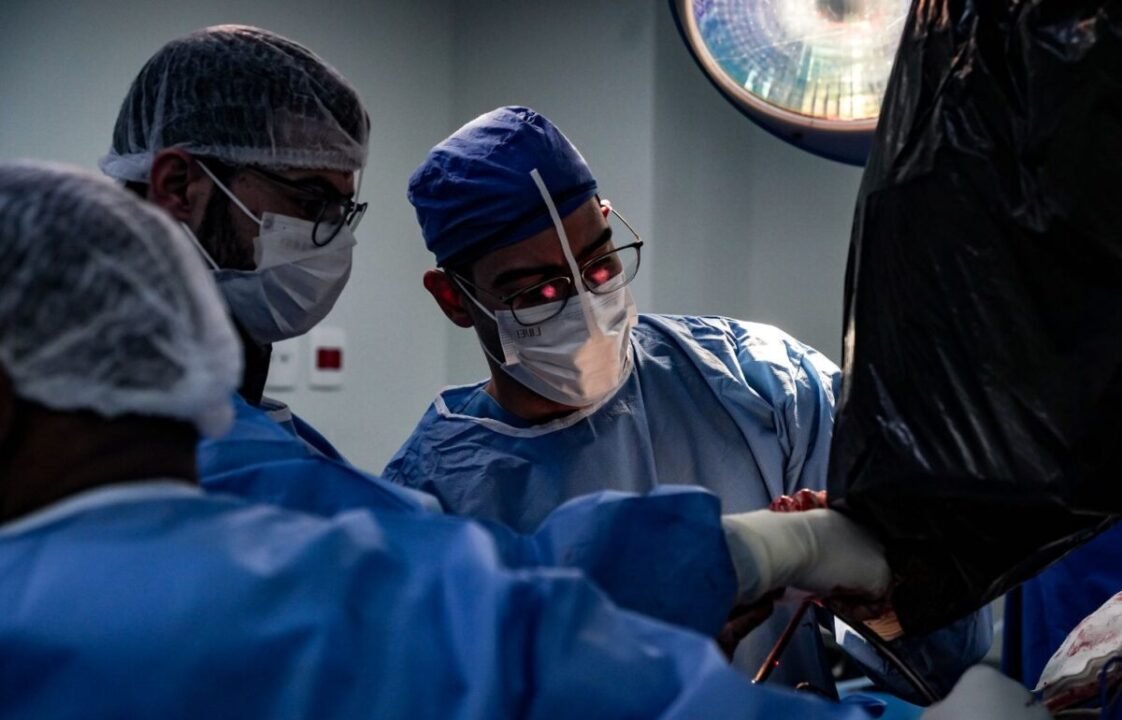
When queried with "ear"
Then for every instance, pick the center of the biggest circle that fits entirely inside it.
(179, 186)
(449, 297)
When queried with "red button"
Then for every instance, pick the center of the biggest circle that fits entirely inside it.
(329, 359)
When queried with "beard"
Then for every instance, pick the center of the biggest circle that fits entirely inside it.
(487, 330)
(219, 237)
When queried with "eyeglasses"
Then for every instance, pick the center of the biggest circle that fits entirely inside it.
(602, 274)
(330, 212)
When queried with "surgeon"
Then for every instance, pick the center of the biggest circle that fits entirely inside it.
(586, 394)
(127, 592)
(254, 146)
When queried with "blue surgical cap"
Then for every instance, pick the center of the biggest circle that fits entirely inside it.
(473, 193)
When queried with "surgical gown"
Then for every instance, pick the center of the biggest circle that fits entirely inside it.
(741, 409)
(687, 578)
(155, 600)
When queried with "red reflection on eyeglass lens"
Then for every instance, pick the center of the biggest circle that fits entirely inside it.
(603, 271)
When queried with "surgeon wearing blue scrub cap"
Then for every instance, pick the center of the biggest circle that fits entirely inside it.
(584, 393)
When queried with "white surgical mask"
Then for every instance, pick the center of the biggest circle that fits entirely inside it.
(295, 283)
(580, 356)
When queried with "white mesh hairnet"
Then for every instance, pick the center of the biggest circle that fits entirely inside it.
(242, 95)
(105, 305)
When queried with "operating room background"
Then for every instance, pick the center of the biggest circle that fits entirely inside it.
(737, 222)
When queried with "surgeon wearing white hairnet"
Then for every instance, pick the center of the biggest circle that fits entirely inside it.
(254, 145)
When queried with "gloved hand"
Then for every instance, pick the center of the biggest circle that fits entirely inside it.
(985, 694)
(821, 551)
(801, 501)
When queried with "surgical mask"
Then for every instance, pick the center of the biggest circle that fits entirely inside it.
(295, 283)
(580, 356)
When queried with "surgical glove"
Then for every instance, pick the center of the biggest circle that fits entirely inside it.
(821, 551)
(985, 694)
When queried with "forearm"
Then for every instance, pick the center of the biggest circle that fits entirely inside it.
(662, 555)
(819, 550)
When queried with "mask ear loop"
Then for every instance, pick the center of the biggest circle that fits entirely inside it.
(488, 313)
(582, 292)
(233, 198)
(471, 297)
(199, 247)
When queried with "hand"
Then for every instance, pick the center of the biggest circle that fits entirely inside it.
(799, 502)
(857, 607)
(985, 694)
(742, 620)
(820, 551)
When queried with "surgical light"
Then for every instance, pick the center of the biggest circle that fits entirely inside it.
(812, 72)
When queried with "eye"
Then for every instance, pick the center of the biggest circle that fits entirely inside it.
(309, 208)
(602, 270)
(546, 292)
(334, 212)
(549, 292)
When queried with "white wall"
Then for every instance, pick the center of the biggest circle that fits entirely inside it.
(738, 223)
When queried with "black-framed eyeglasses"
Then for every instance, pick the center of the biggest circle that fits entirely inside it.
(329, 211)
(602, 274)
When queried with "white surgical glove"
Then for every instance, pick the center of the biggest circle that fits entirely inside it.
(983, 693)
(818, 550)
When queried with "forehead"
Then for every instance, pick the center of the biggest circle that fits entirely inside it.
(341, 181)
(583, 227)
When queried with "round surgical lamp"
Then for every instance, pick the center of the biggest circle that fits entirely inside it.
(811, 72)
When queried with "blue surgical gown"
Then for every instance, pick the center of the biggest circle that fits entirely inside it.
(273, 457)
(741, 409)
(1040, 613)
(155, 600)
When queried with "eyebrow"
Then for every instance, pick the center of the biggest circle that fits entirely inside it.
(604, 238)
(553, 270)
(316, 184)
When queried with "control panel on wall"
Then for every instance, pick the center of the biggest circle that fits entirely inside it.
(327, 346)
(322, 352)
